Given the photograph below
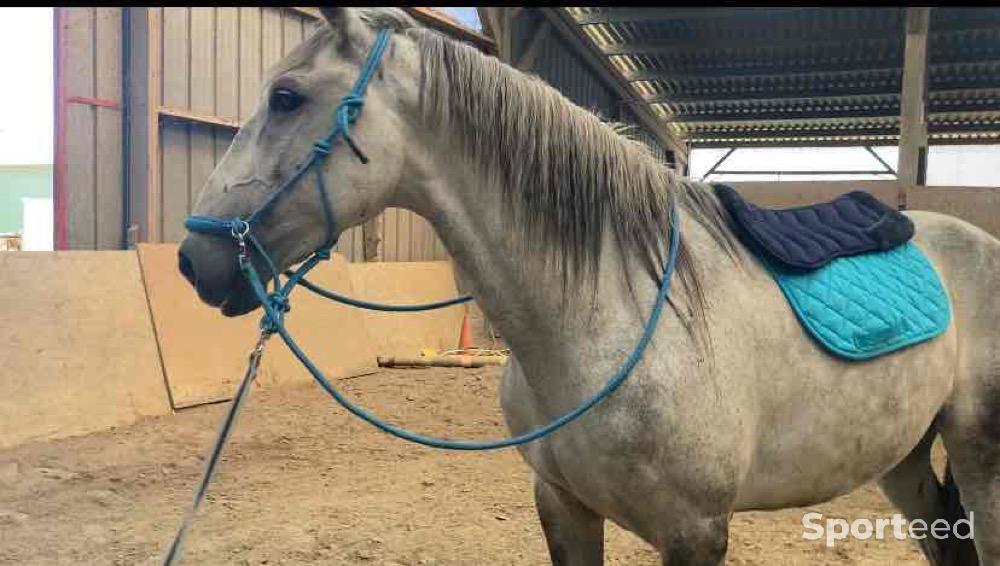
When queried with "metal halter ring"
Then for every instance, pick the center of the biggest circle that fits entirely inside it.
(240, 229)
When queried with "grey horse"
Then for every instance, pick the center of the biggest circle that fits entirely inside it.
(560, 227)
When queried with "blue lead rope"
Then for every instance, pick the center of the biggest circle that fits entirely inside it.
(273, 319)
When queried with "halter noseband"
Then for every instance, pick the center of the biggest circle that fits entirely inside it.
(241, 229)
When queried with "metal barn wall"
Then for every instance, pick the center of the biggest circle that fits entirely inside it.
(213, 61)
(195, 77)
(87, 180)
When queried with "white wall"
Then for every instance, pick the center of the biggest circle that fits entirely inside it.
(947, 165)
(964, 165)
(37, 222)
(26, 104)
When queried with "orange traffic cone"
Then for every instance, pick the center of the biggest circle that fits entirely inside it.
(465, 337)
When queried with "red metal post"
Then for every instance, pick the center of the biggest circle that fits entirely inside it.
(59, 188)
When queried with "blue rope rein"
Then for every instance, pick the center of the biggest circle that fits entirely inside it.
(358, 303)
(273, 320)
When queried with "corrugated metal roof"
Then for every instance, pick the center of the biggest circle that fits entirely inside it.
(800, 76)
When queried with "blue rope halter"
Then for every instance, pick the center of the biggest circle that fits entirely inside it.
(346, 113)
(276, 304)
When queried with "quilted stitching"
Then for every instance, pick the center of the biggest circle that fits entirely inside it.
(863, 306)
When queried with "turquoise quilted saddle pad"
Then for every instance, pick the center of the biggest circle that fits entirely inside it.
(863, 306)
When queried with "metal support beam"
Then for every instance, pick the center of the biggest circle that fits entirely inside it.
(912, 163)
(820, 172)
(497, 22)
(618, 15)
(716, 165)
(888, 168)
(154, 77)
(682, 49)
(767, 68)
(526, 60)
(778, 93)
(138, 159)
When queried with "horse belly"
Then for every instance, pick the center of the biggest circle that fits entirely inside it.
(828, 426)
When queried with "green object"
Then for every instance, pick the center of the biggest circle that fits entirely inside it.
(17, 182)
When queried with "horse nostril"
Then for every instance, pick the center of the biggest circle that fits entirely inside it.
(186, 266)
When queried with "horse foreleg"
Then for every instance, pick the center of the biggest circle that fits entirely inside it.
(574, 533)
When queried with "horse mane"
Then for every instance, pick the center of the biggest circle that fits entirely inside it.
(566, 176)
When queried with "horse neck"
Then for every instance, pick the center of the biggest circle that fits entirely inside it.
(522, 295)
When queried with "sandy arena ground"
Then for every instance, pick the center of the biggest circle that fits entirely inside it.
(303, 483)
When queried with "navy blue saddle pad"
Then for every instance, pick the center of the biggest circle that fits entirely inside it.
(809, 237)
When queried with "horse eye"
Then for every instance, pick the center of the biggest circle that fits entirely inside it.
(285, 100)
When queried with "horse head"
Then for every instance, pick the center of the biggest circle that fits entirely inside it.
(269, 173)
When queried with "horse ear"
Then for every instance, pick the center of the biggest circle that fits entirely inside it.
(344, 21)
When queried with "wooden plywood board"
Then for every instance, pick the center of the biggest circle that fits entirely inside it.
(404, 334)
(204, 354)
(77, 349)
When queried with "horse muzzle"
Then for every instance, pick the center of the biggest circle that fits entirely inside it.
(209, 264)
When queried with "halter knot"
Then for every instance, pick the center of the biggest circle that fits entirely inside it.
(348, 110)
(279, 301)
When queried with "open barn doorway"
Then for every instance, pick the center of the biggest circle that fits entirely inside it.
(26, 128)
